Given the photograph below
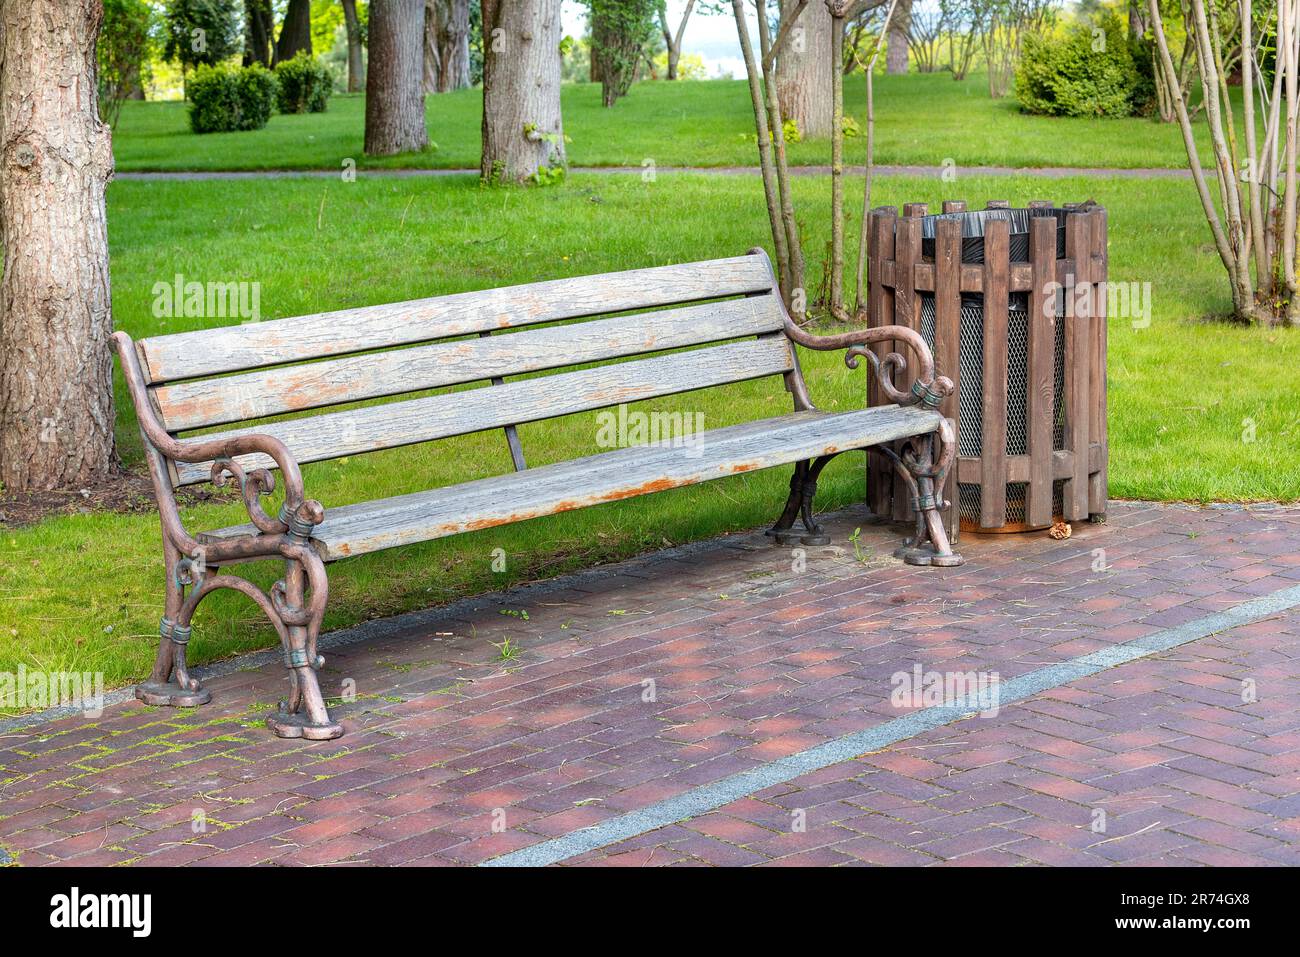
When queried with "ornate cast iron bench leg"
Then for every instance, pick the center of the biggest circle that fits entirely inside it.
(803, 488)
(924, 475)
(170, 683)
(303, 714)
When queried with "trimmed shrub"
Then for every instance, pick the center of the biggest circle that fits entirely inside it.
(1090, 71)
(224, 98)
(305, 84)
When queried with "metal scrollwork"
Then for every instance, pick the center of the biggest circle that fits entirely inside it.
(252, 486)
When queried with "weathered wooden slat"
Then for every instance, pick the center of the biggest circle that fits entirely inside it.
(947, 329)
(1042, 347)
(1098, 479)
(266, 392)
(1017, 466)
(234, 348)
(972, 276)
(907, 308)
(608, 477)
(954, 205)
(880, 475)
(1078, 244)
(993, 407)
(368, 429)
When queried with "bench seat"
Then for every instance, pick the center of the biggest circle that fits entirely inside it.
(323, 387)
(607, 477)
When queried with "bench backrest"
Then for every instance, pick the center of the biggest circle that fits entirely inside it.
(232, 374)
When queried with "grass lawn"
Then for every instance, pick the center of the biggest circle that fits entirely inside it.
(84, 592)
(920, 120)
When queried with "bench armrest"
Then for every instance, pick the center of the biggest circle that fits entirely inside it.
(297, 515)
(928, 389)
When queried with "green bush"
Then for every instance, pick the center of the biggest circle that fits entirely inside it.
(225, 98)
(305, 84)
(1090, 71)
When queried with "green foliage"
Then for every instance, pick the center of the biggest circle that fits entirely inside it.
(304, 84)
(1090, 71)
(200, 31)
(620, 33)
(225, 98)
(122, 54)
(548, 175)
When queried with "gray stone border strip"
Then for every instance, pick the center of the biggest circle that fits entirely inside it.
(710, 797)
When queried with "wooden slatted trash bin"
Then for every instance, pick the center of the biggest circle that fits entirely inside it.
(1013, 304)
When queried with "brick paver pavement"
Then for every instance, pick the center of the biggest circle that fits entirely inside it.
(648, 679)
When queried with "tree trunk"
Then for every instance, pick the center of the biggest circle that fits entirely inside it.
(900, 25)
(259, 27)
(353, 27)
(433, 10)
(446, 45)
(56, 386)
(295, 32)
(453, 41)
(616, 50)
(803, 71)
(522, 127)
(673, 41)
(394, 92)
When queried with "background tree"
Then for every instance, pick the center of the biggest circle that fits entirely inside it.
(394, 78)
(673, 38)
(122, 54)
(924, 37)
(446, 45)
(56, 387)
(259, 29)
(295, 31)
(523, 133)
(1254, 207)
(200, 31)
(900, 30)
(352, 25)
(961, 32)
(803, 72)
(620, 30)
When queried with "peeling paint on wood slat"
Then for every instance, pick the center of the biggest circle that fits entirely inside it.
(206, 352)
(607, 477)
(408, 422)
(207, 402)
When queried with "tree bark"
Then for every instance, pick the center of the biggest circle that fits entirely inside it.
(295, 32)
(446, 45)
(803, 70)
(432, 51)
(356, 73)
(522, 127)
(56, 386)
(394, 90)
(259, 27)
(900, 25)
(454, 43)
(673, 40)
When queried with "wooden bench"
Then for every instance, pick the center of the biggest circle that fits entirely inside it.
(723, 320)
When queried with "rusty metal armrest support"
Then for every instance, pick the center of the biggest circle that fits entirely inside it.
(928, 389)
(921, 467)
(296, 514)
(295, 605)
